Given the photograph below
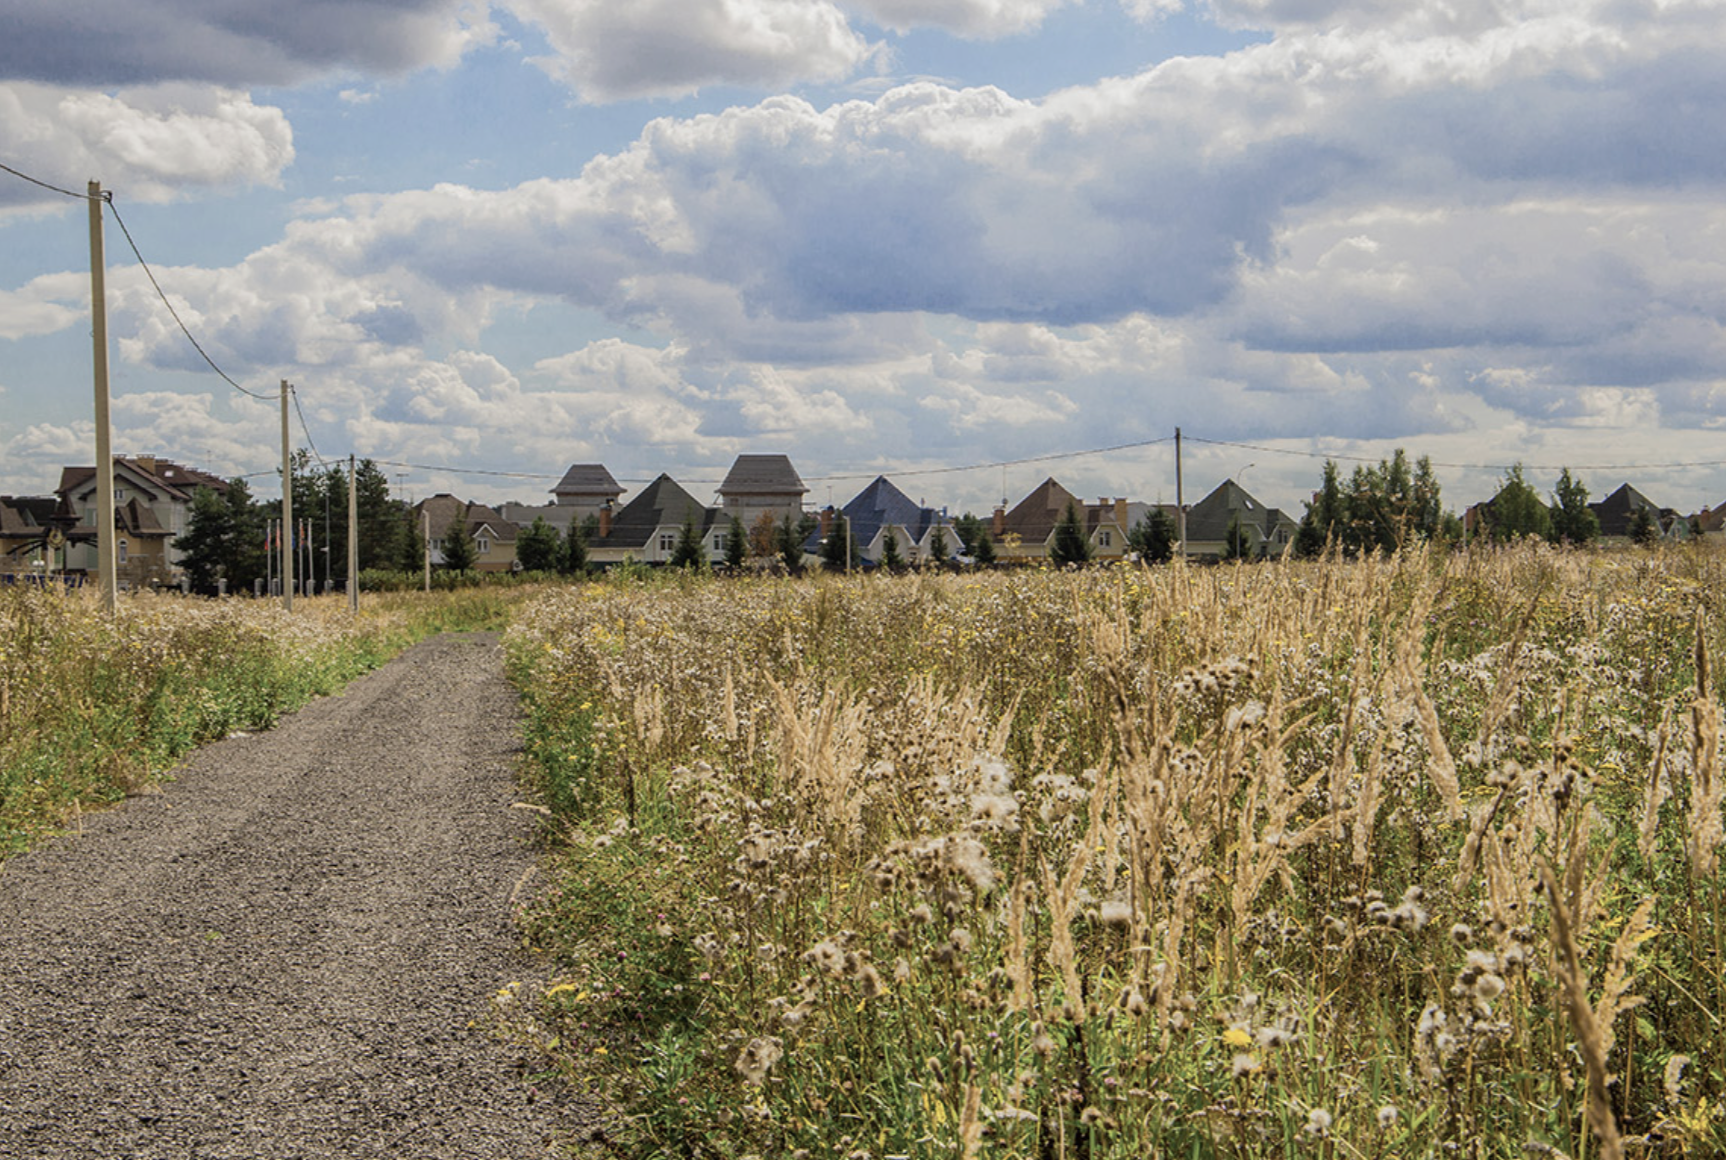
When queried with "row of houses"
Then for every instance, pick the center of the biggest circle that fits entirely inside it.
(761, 491)
(153, 498)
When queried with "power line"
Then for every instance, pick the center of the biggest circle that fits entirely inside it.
(115, 210)
(1003, 462)
(295, 392)
(43, 184)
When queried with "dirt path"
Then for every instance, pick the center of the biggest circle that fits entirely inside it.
(284, 953)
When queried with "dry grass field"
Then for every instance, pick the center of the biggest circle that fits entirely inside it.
(1407, 857)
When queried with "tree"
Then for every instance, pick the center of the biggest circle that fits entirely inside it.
(380, 517)
(1071, 545)
(1323, 515)
(245, 555)
(1643, 529)
(1516, 510)
(938, 550)
(537, 546)
(838, 550)
(205, 547)
(1237, 544)
(764, 536)
(573, 559)
(459, 551)
(890, 557)
(736, 545)
(969, 529)
(983, 549)
(1153, 537)
(789, 544)
(1573, 521)
(688, 553)
(413, 545)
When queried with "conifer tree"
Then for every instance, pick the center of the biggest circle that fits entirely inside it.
(890, 557)
(1071, 545)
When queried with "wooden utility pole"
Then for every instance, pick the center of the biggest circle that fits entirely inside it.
(107, 575)
(425, 533)
(1180, 497)
(287, 509)
(353, 539)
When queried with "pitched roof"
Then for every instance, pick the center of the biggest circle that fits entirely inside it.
(763, 475)
(25, 515)
(1209, 518)
(1617, 512)
(174, 480)
(877, 506)
(661, 504)
(1034, 518)
(588, 479)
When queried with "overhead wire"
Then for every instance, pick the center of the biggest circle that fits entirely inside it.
(148, 273)
(44, 184)
(1458, 466)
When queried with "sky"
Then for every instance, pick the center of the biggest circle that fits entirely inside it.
(966, 243)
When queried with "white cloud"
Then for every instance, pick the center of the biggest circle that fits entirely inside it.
(607, 51)
(971, 18)
(149, 143)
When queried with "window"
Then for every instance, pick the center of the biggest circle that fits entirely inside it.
(667, 541)
(121, 558)
(1103, 538)
(483, 544)
(119, 495)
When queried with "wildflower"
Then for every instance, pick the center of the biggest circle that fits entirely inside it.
(758, 1057)
(1673, 1079)
(1318, 1122)
(1387, 1117)
(1237, 1037)
(1244, 1064)
(1116, 913)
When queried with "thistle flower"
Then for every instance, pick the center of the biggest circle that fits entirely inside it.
(1387, 1116)
(1318, 1122)
(758, 1058)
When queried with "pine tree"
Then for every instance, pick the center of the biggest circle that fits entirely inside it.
(736, 545)
(207, 542)
(413, 545)
(1643, 529)
(459, 551)
(890, 557)
(837, 550)
(537, 546)
(1517, 511)
(969, 529)
(938, 550)
(1153, 537)
(1071, 545)
(1236, 542)
(789, 545)
(573, 559)
(688, 553)
(983, 549)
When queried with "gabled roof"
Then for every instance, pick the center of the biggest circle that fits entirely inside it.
(763, 475)
(1617, 511)
(588, 479)
(1209, 518)
(25, 515)
(661, 504)
(1034, 517)
(1711, 520)
(163, 476)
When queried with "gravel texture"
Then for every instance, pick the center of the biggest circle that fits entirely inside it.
(292, 950)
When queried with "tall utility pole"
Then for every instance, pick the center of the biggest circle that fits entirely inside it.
(107, 575)
(353, 539)
(425, 525)
(287, 510)
(1180, 497)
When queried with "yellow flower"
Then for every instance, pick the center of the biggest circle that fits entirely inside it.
(1235, 1037)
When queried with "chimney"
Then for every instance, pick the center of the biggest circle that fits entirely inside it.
(826, 521)
(1000, 526)
(1121, 512)
(605, 520)
(147, 463)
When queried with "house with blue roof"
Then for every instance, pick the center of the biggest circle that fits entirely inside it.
(880, 509)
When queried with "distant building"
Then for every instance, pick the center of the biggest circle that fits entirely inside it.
(1028, 530)
(152, 507)
(762, 485)
(1267, 531)
(648, 527)
(493, 536)
(879, 509)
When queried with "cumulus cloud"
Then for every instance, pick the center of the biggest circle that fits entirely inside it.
(150, 143)
(668, 48)
(972, 18)
(97, 43)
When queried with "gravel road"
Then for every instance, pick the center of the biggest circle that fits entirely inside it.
(290, 951)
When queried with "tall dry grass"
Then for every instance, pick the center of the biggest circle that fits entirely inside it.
(1394, 857)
